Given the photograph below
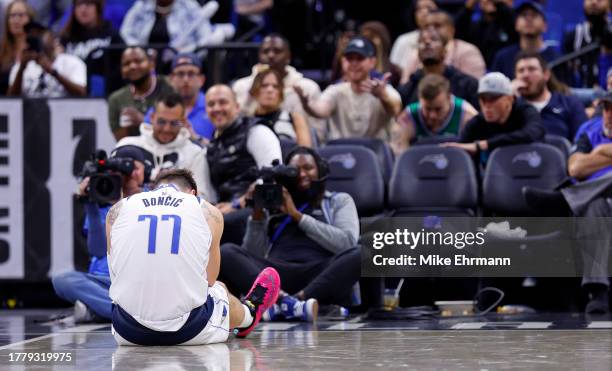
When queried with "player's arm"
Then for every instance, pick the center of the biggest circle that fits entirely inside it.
(214, 218)
(112, 215)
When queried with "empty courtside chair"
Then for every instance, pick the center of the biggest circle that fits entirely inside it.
(355, 170)
(380, 148)
(433, 180)
(559, 142)
(511, 168)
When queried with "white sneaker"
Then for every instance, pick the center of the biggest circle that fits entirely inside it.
(82, 314)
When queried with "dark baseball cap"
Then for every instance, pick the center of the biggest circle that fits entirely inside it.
(531, 5)
(360, 45)
(186, 59)
(133, 152)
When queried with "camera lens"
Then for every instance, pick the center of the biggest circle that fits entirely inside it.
(105, 186)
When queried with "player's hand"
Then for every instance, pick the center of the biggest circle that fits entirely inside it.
(288, 206)
(82, 190)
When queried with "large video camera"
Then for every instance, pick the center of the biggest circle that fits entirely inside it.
(269, 195)
(105, 176)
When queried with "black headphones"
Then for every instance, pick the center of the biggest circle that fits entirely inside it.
(322, 164)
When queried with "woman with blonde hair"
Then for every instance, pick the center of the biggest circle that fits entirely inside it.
(267, 91)
(18, 14)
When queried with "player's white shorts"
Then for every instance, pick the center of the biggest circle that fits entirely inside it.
(216, 329)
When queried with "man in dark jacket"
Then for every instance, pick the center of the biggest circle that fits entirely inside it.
(502, 121)
(431, 54)
(239, 145)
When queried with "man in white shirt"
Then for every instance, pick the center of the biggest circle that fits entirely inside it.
(43, 72)
(359, 106)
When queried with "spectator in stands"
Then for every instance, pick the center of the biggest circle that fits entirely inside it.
(89, 291)
(187, 79)
(275, 53)
(493, 31)
(432, 54)
(251, 14)
(378, 34)
(530, 25)
(591, 164)
(44, 71)
(267, 90)
(182, 24)
(166, 143)
(584, 34)
(86, 31)
(502, 121)
(408, 42)
(127, 106)
(312, 243)
(240, 144)
(460, 54)
(18, 14)
(437, 114)
(49, 13)
(359, 106)
(562, 114)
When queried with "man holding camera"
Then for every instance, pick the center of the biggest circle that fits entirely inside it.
(309, 235)
(43, 72)
(89, 291)
(166, 142)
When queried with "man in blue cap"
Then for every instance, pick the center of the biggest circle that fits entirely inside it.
(359, 106)
(187, 79)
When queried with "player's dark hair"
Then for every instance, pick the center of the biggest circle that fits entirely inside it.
(180, 177)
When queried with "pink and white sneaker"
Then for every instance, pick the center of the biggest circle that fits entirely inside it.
(261, 297)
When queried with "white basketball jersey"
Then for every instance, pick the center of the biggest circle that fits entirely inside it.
(158, 257)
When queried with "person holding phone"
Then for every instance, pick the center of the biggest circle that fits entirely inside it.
(44, 71)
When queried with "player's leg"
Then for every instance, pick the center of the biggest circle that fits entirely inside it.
(262, 295)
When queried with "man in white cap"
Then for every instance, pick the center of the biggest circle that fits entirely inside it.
(502, 121)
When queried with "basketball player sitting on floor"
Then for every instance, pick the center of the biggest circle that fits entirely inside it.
(164, 259)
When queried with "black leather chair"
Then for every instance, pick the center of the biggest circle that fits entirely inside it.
(432, 179)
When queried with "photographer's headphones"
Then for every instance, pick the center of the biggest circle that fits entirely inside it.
(322, 164)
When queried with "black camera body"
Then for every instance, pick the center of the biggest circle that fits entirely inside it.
(104, 174)
(269, 195)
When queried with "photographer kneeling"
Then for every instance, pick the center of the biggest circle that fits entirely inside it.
(312, 242)
(106, 181)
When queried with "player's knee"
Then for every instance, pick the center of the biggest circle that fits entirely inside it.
(221, 284)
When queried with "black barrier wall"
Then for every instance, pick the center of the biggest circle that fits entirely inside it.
(43, 144)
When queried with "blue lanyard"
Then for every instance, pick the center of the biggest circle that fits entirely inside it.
(284, 224)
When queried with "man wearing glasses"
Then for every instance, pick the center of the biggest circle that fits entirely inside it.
(187, 79)
(166, 142)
